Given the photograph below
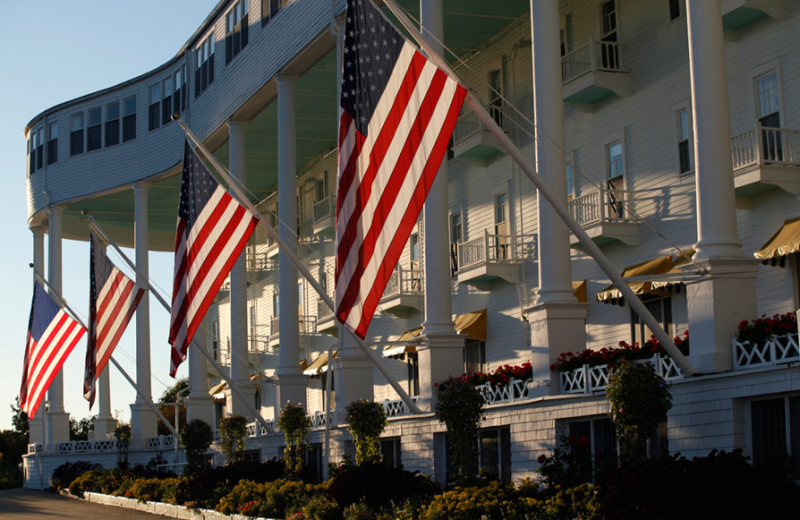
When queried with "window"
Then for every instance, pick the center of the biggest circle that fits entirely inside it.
(252, 455)
(128, 119)
(324, 386)
(36, 149)
(257, 401)
(769, 117)
(413, 247)
(615, 175)
(775, 432)
(236, 28)
(313, 459)
(456, 237)
(570, 181)
(674, 7)
(31, 153)
(204, 74)
(215, 339)
(76, 134)
(94, 130)
(684, 141)
(474, 356)
(179, 95)
(496, 96)
(52, 143)
(502, 227)
(155, 107)
(563, 34)
(412, 358)
(300, 297)
(166, 101)
(595, 438)
(269, 8)
(492, 457)
(609, 54)
(392, 454)
(661, 309)
(275, 302)
(112, 123)
(253, 329)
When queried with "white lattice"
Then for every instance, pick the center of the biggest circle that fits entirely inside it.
(786, 348)
(588, 379)
(574, 381)
(777, 349)
(319, 419)
(105, 445)
(397, 407)
(34, 448)
(666, 367)
(515, 390)
(254, 429)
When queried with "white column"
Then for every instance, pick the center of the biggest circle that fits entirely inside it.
(36, 425)
(239, 356)
(291, 382)
(104, 423)
(143, 420)
(58, 427)
(726, 296)
(353, 370)
(557, 319)
(199, 404)
(442, 352)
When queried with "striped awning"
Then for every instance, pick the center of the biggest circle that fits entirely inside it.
(220, 387)
(471, 324)
(319, 365)
(784, 242)
(411, 348)
(580, 290)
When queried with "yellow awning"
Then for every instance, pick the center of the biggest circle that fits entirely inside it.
(319, 365)
(222, 385)
(580, 290)
(403, 349)
(784, 242)
(473, 324)
(678, 261)
(652, 267)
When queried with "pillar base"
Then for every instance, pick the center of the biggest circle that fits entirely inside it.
(440, 356)
(36, 428)
(555, 328)
(200, 407)
(235, 405)
(58, 429)
(352, 380)
(290, 388)
(143, 425)
(104, 427)
(717, 303)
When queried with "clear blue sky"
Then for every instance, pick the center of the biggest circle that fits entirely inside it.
(54, 51)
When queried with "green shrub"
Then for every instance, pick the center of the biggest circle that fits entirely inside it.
(196, 437)
(233, 432)
(366, 421)
(320, 507)
(296, 427)
(379, 486)
(153, 490)
(459, 406)
(245, 492)
(69, 471)
(359, 511)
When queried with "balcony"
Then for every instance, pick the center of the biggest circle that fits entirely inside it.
(490, 258)
(259, 265)
(326, 323)
(473, 142)
(306, 324)
(607, 216)
(765, 158)
(592, 73)
(403, 293)
(324, 223)
(738, 14)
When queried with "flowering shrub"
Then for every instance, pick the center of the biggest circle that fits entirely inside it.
(568, 361)
(196, 437)
(460, 408)
(639, 401)
(501, 376)
(233, 432)
(366, 421)
(762, 329)
(153, 490)
(296, 426)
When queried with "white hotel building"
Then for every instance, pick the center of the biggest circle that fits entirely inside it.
(653, 123)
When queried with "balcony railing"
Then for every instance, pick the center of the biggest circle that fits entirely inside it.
(603, 205)
(323, 311)
(98, 446)
(323, 209)
(777, 349)
(404, 282)
(469, 124)
(763, 145)
(256, 429)
(261, 263)
(589, 57)
(307, 325)
(161, 442)
(487, 249)
(397, 407)
(319, 419)
(586, 379)
(515, 390)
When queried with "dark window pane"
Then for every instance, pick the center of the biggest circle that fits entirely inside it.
(52, 151)
(129, 128)
(674, 9)
(76, 142)
(39, 156)
(112, 132)
(245, 30)
(197, 82)
(769, 431)
(794, 434)
(154, 116)
(275, 6)
(605, 442)
(94, 137)
(211, 70)
(32, 157)
(228, 48)
(166, 110)
(683, 150)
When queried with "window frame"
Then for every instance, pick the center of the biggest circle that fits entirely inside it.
(667, 320)
(52, 142)
(204, 61)
(469, 365)
(154, 107)
(274, 9)
(129, 119)
(673, 7)
(94, 130)
(679, 137)
(496, 92)
(108, 127)
(458, 212)
(77, 145)
(237, 28)
(791, 428)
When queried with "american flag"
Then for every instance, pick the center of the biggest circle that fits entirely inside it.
(213, 228)
(112, 302)
(398, 111)
(52, 334)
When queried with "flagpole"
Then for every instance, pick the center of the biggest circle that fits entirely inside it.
(300, 267)
(147, 400)
(233, 386)
(591, 248)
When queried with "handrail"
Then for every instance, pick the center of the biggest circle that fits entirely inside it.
(765, 145)
(604, 205)
(590, 57)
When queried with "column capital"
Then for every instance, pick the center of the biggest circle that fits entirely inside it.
(143, 185)
(286, 80)
(234, 126)
(55, 209)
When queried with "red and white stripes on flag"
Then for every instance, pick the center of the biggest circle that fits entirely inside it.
(52, 334)
(112, 301)
(398, 111)
(213, 228)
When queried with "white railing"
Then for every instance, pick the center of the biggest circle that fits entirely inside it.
(586, 379)
(603, 205)
(403, 282)
(256, 429)
(35, 448)
(323, 311)
(258, 338)
(323, 209)
(469, 124)
(161, 442)
(765, 145)
(307, 325)
(589, 57)
(777, 349)
(319, 419)
(98, 446)
(515, 390)
(261, 263)
(488, 249)
(397, 407)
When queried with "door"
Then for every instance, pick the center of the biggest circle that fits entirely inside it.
(502, 228)
(609, 53)
(769, 117)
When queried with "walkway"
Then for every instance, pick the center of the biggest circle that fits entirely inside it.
(27, 504)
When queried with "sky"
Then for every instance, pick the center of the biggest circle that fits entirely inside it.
(55, 51)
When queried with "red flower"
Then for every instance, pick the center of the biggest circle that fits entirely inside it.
(572, 439)
(541, 459)
(584, 441)
(599, 455)
(553, 367)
